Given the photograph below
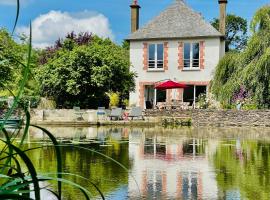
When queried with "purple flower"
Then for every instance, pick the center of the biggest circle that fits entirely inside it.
(241, 95)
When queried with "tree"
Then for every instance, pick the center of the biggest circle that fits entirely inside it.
(10, 52)
(82, 74)
(248, 70)
(236, 32)
(126, 45)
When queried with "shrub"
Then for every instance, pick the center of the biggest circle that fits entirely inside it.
(114, 98)
(126, 102)
(34, 101)
(202, 101)
(46, 104)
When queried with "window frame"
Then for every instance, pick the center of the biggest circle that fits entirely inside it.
(191, 60)
(156, 61)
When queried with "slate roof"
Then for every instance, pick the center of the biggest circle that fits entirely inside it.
(177, 21)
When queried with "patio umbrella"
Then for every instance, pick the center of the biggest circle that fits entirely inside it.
(170, 85)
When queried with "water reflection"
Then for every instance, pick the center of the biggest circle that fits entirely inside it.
(166, 163)
(171, 167)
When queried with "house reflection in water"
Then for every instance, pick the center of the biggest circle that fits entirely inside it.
(170, 169)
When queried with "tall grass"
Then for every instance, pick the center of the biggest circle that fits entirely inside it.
(15, 184)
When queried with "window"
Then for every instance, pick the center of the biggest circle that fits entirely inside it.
(191, 55)
(155, 56)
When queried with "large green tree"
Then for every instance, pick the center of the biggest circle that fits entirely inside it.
(236, 32)
(12, 56)
(81, 73)
(10, 53)
(248, 70)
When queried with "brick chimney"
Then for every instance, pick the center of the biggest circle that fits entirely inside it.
(222, 25)
(135, 14)
(222, 19)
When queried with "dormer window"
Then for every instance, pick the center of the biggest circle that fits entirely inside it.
(191, 55)
(155, 56)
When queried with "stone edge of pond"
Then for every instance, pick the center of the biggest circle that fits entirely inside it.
(195, 118)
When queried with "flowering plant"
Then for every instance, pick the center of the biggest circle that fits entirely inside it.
(241, 95)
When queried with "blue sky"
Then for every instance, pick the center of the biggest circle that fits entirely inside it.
(107, 18)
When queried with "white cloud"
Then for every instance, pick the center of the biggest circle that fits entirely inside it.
(49, 27)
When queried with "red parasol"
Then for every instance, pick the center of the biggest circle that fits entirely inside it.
(170, 85)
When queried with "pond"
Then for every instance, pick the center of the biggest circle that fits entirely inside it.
(183, 163)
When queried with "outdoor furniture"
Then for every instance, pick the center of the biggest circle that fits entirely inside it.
(116, 113)
(175, 104)
(101, 112)
(160, 105)
(136, 112)
(168, 85)
(79, 113)
(164, 105)
(185, 105)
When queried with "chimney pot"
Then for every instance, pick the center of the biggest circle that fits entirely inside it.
(222, 1)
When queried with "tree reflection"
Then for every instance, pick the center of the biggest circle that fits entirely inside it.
(243, 166)
(107, 175)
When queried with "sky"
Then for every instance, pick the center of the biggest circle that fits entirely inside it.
(52, 19)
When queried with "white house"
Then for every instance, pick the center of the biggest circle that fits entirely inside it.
(178, 45)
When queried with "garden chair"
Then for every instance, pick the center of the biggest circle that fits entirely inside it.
(79, 113)
(101, 112)
(136, 112)
(116, 113)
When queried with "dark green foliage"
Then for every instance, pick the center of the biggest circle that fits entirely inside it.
(34, 101)
(126, 45)
(236, 32)
(82, 74)
(249, 69)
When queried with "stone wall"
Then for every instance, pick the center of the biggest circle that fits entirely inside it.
(62, 115)
(198, 117)
(218, 117)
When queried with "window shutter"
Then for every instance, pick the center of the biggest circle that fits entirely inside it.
(180, 55)
(145, 56)
(166, 48)
(202, 54)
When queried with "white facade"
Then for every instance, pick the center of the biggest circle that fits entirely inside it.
(212, 54)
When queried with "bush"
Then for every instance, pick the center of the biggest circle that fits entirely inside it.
(126, 102)
(46, 104)
(202, 101)
(34, 101)
(114, 98)
(249, 104)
